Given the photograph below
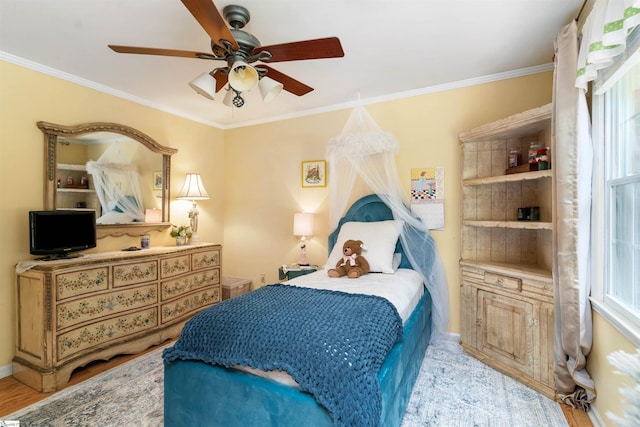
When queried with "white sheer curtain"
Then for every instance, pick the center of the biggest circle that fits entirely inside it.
(604, 36)
(115, 178)
(362, 161)
(572, 213)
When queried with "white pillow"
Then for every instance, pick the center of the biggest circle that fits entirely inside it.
(379, 238)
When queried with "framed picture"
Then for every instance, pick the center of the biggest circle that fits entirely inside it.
(157, 180)
(314, 173)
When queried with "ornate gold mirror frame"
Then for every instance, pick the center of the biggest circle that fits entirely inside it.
(53, 131)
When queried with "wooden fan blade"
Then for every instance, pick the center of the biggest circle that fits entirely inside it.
(221, 79)
(329, 47)
(289, 83)
(163, 52)
(211, 21)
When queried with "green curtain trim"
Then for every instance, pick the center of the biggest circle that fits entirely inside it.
(619, 24)
(599, 46)
(631, 11)
(613, 26)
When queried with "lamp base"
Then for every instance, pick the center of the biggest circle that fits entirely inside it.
(303, 262)
(194, 239)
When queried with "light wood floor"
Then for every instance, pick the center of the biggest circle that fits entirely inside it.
(14, 395)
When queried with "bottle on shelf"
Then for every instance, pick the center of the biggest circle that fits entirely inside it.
(542, 159)
(533, 151)
(514, 157)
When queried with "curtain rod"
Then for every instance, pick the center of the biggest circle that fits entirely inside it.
(584, 3)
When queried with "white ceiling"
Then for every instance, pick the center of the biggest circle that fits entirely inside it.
(393, 48)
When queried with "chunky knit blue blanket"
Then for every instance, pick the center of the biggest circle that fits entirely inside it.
(332, 343)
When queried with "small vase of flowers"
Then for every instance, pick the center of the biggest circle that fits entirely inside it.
(181, 233)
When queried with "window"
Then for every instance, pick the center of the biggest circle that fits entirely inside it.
(616, 123)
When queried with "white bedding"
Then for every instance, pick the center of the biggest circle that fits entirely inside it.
(403, 289)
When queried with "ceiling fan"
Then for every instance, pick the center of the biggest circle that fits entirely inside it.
(239, 49)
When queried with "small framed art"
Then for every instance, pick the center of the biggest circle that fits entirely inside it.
(314, 173)
(157, 180)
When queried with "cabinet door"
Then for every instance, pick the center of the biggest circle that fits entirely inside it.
(505, 330)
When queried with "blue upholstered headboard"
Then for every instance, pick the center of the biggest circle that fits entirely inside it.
(368, 209)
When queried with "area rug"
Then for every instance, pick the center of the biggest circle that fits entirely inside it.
(125, 396)
(457, 390)
(452, 390)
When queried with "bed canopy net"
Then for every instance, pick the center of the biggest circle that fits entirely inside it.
(361, 160)
(115, 178)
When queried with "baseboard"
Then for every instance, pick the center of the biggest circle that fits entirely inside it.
(6, 371)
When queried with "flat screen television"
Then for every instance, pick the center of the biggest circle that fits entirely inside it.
(61, 234)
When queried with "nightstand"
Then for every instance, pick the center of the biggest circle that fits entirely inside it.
(287, 272)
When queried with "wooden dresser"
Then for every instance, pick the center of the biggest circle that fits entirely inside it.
(71, 312)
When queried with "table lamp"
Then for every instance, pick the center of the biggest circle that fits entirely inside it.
(193, 190)
(303, 227)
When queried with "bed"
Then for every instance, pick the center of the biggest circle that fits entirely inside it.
(199, 391)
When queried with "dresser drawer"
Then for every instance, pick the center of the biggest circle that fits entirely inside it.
(130, 274)
(92, 336)
(174, 266)
(188, 304)
(205, 259)
(543, 288)
(95, 307)
(503, 282)
(183, 285)
(81, 282)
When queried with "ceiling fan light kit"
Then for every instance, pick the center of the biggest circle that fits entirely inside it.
(239, 49)
(233, 98)
(243, 76)
(269, 88)
(205, 85)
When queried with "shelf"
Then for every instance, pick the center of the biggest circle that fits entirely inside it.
(531, 271)
(522, 225)
(74, 190)
(516, 177)
(71, 167)
(526, 123)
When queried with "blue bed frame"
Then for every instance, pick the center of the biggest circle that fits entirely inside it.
(198, 394)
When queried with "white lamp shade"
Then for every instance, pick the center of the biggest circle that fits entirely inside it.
(242, 76)
(303, 224)
(193, 189)
(228, 98)
(205, 85)
(269, 88)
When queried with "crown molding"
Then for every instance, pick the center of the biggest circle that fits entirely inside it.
(335, 107)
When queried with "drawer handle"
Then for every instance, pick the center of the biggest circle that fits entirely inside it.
(500, 282)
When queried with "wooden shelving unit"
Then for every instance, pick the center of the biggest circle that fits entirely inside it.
(506, 264)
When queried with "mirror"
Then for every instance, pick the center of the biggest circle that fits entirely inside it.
(68, 184)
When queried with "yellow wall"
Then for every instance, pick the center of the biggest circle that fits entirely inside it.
(263, 188)
(26, 97)
(607, 340)
(253, 176)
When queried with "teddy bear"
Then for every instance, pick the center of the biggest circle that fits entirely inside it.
(352, 264)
